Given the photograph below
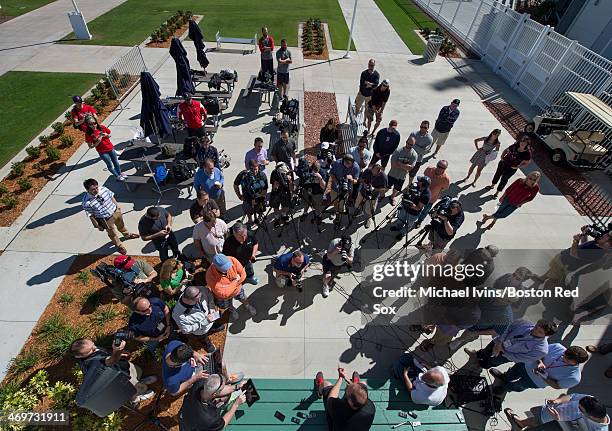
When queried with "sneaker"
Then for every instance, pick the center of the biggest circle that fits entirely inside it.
(368, 222)
(355, 377)
(252, 310)
(399, 237)
(454, 345)
(252, 280)
(234, 314)
(470, 352)
(497, 374)
(318, 384)
(325, 291)
(148, 380)
(120, 178)
(209, 346)
(150, 393)
(394, 228)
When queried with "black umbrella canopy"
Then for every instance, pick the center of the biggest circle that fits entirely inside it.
(195, 34)
(154, 118)
(184, 80)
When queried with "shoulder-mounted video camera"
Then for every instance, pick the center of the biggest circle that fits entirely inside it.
(117, 277)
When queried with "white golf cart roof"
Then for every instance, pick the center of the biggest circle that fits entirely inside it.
(594, 106)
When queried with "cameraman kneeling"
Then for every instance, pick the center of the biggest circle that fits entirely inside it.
(289, 268)
(444, 225)
(280, 196)
(254, 185)
(135, 272)
(413, 202)
(373, 184)
(339, 253)
(312, 187)
(342, 178)
(87, 353)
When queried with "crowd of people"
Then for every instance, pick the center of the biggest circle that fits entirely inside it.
(277, 184)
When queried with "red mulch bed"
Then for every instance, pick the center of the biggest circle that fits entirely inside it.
(78, 314)
(574, 186)
(41, 170)
(166, 44)
(318, 108)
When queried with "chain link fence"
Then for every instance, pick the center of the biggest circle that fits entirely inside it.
(124, 74)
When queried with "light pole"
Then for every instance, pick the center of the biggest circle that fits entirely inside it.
(348, 46)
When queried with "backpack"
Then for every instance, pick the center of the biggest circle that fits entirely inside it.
(160, 174)
(227, 74)
(181, 171)
(212, 106)
(215, 82)
(168, 151)
(190, 147)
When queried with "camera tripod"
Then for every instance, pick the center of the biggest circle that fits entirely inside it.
(260, 222)
(382, 223)
(358, 210)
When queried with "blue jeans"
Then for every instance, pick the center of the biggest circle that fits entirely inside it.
(405, 221)
(406, 360)
(424, 212)
(152, 346)
(112, 162)
(249, 270)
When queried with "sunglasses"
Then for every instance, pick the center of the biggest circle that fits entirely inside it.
(143, 311)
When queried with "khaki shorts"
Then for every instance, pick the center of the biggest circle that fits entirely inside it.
(556, 271)
(439, 138)
(370, 112)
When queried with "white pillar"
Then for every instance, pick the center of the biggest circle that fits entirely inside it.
(348, 46)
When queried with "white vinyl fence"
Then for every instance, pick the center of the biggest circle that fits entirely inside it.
(535, 60)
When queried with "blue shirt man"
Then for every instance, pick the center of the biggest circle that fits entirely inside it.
(150, 321)
(560, 369)
(341, 169)
(210, 179)
(289, 267)
(523, 342)
(181, 367)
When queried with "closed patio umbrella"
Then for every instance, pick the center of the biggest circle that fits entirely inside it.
(154, 118)
(195, 34)
(184, 80)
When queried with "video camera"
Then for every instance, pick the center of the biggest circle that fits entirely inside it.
(117, 277)
(345, 249)
(442, 208)
(410, 196)
(306, 175)
(596, 231)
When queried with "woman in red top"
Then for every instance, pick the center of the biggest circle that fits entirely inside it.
(520, 192)
(98, 136)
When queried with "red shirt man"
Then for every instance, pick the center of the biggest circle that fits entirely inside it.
(193, 114)
(79, 111)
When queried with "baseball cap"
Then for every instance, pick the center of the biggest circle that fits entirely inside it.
(456, 101)
(386, 82)
(424, 179)
(282, 167)
(124, 262)
(221, 262)
(187, 95)
(77, 99)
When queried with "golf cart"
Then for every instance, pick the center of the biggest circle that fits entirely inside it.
(576, 129)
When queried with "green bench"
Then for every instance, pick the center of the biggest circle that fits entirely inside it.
(290, 396)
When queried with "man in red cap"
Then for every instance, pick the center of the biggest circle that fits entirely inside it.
(141, 271)
(79, 111)
(193, 114)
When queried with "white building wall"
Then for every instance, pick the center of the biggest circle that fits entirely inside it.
(591, 21)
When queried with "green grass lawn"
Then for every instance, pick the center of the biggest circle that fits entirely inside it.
(133, 21)
(19, 7)
(31, 101)
(405, 17)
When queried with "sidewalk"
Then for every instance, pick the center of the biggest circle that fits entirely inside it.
(372, 32)
(44, 24)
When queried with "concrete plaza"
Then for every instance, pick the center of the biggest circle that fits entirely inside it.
(295, 334)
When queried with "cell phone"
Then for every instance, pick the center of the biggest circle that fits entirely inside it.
(301, 415)
(278, 415)
(215, 314)
(295, 420)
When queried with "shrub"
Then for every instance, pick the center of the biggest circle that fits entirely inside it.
(25, 361)
(59, 344)
(33, 152)
(17, 169)
(58, 127)
(103, 100)
(68, 115)
(24, 184)
(113, 74)
(66, 298)
(447, 47)
(66, 141)
(62, 395)
(124, 81)
(104, 315)
(97, 107)
(14, 398)
(53, 154)
(3, 189)
(90, 100)
(105, 83)
(38, 167)
(9, 200)
(44, 140)
(50, 327)
(84, 277)
(96, 92)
